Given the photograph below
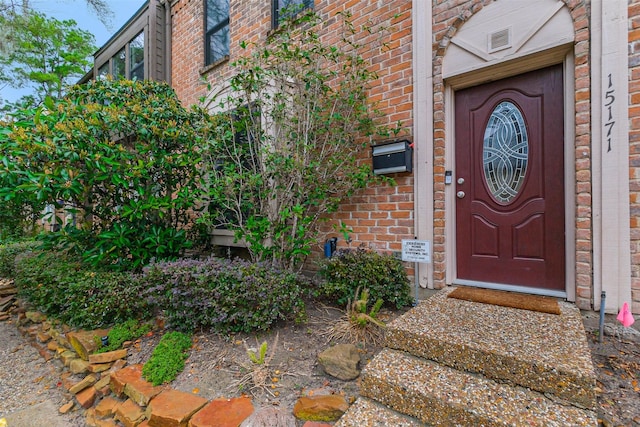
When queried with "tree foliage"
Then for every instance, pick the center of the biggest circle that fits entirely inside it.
(44, 53)
(121, 156)
(286, 145)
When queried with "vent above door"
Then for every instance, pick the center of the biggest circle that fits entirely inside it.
(499, 40)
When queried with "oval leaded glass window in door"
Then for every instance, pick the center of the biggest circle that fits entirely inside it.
(505, 152)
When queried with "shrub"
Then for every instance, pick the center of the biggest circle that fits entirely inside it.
(127, 331)
(229, 296)
(8, 254)
(58, 285)
(167, 359)
(350, 269)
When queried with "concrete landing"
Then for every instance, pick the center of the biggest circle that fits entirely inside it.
(455, 362)
(545, 352)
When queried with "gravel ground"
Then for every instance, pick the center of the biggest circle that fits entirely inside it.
(29, 386)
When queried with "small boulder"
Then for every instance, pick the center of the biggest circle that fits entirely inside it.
(269, 417)
(320, 408)
(341, 361)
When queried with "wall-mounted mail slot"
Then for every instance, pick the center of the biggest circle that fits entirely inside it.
(392, 157)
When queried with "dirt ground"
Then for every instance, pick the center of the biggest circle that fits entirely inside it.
(218, 365)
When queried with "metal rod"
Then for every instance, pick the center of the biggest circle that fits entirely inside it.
(603, 297)
(417, 280)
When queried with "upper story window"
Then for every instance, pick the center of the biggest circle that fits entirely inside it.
(127, 63)
(283, 9)
(136, 57)
(216, 40)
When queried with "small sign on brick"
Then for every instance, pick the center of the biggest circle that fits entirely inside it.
(416, 251)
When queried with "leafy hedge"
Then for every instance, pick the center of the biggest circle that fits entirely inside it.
(228, 296)
(57, 285)
(350, 269)
(8, 254)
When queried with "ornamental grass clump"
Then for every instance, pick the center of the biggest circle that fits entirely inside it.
(359, 324)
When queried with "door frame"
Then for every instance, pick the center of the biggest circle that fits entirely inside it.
(504, 70)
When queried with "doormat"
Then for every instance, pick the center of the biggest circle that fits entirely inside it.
(507, 299)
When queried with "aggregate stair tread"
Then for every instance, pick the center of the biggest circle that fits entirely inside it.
(368, 413)
(439, 395)
(545, 352)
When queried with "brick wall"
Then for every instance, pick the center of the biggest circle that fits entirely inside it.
(634, 148)
(380, 216)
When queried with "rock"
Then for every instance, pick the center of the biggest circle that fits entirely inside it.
(129, 381)
(617, 330)
(85, 342)
(66, 407)
(78, 366)
(270, 417)
(35, 316)
(107, 407)
(223, 413)
(99, 367)
(67, 356)
(87, 381)
(52, 346)
(103, 385)
(110, 356)
(320, 408)
(341, 361)
(315, 424)
(86, 397)
(173, 408)
(129, 414)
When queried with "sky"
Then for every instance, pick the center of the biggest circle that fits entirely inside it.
(86, 20)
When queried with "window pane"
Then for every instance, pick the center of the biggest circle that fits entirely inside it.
(103, 71)
(119, 69)
(217, 30)
(289, 8)
(505, 152)
(136, 57)
(218, 44)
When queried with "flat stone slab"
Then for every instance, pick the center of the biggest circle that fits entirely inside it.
(173, 408)
(223, 413)
(128, 381)
(440, 395)
(545, 352)
(366, 412)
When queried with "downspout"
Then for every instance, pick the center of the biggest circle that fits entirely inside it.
(167, 39)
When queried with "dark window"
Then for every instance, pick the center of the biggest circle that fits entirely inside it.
(103, 71)
(118, 70)
(216, 40)
(136, 57)
(283, 9)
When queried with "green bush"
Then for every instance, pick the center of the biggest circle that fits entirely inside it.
(58, 285)
(8, 254)
(127, 331)
(167, 359)
(348, 270)
(229, 296)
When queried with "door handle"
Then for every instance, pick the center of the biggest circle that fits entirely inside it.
(460, 181)
(460, 194)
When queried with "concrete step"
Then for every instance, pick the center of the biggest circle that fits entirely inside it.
(439, 395)
(548, 353)
(368, 413)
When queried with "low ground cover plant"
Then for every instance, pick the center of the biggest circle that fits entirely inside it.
(122, 332)
(167, 359)
(351, 269)
(228, 296)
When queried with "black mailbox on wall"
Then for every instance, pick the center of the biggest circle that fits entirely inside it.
(392, 157)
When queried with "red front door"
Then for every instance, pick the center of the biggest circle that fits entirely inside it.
(510, 181)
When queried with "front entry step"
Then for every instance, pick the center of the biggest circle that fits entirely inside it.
(439, 395)
(368, 413)
(545, 352)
